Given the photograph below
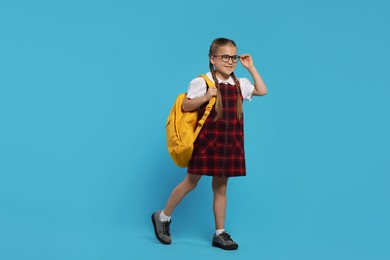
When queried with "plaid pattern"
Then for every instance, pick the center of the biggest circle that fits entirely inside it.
(219, 147)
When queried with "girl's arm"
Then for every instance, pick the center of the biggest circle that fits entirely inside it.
(194, 104)
(260, 88)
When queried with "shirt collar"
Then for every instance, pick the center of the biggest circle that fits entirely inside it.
(230, 80)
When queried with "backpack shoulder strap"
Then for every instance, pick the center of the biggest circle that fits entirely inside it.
(208, 107)
(209, 83)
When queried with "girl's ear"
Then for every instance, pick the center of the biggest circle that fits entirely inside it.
(212, 60)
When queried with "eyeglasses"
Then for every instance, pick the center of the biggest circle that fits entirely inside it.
(226, 58)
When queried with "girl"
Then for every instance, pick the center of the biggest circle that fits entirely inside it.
(219, 147)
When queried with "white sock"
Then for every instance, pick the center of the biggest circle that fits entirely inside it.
(219, 231)
(164, 217)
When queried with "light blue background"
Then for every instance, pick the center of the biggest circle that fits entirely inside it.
(86, 87)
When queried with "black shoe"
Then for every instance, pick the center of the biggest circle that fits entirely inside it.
(161, 228)
(224, 241)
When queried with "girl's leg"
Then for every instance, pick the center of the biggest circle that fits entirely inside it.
(161, 222)
(181, 190)
(221, 238)
(219, 185)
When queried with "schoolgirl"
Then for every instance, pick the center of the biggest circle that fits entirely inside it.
(219, 147)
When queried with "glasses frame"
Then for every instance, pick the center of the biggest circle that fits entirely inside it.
(224, 56)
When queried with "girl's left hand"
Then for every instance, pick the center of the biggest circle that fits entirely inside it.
(246, 60)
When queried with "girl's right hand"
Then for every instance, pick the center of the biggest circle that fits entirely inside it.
(211, 92)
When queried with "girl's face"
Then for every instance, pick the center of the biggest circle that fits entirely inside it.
(224, 69)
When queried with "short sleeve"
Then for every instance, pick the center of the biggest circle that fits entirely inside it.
(246, 88)
(196, 88)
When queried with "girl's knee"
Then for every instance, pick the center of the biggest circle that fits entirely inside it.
(220, 191)
(191, 181)
(191, 185)
(219, 185)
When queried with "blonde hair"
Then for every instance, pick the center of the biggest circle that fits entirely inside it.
(218, 104)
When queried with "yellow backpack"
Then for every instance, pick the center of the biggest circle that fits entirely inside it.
(182, 128)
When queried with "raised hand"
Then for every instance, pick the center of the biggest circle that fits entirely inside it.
(246, 61)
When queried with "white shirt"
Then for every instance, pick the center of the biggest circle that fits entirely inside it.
(198, 87)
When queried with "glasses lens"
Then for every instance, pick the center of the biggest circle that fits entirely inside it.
(235, 58)
(225, 58)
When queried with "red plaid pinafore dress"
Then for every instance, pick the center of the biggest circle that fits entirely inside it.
(219, 147)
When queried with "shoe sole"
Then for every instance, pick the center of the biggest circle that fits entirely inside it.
(231, 247)
(155, 232)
